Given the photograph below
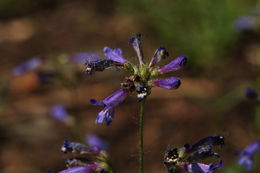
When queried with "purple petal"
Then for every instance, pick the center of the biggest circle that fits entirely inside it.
(81, 169)
(176, 64)
(112, 100)
(247, 162)
(136, 43)
(83, 57)
(106, 114)
(252, 148)
(59, 112)
(160, 53)
(95, 141)
(27, 66)
(115, 55)
(168, 83)
(203, 168)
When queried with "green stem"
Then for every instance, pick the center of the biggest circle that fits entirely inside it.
(141, 137)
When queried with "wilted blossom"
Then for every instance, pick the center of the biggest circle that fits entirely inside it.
(188, 158)
(59, 112)
(140, 77)
(251, 93)
(27, 66)
(246, 156)
(96, 142)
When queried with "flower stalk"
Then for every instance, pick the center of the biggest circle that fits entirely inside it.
(141, 137)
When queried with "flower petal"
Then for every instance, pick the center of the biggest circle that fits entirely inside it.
(81, 169)
(115, 55)
(159, 54)
(27, 66)
(83, 57)
(106, 114)
(95, 141)
(168, 83)
(59, 112)
(203, 168)
(176, 64)
(136, 43)
(247, 162)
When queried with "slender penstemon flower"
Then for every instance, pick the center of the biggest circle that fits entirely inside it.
(142, 78)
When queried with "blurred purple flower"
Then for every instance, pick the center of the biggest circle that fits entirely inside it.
(27, 66)
(96, 143)
(201, 168)
(175, 64)
(59, 112)
(246, 156)
(168, 83)
(251, 93)
(245, 23)
(109, 103)
(81, 169)
(115, 55)
(82, 57)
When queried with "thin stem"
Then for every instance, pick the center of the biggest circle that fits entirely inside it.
(141, 137)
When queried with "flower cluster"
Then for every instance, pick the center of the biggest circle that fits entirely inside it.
(246, 156)
(89, 159)
(188, 158)
(140, 79)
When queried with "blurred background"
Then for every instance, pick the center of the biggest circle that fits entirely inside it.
(220, 38)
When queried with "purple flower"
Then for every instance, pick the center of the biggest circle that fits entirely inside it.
(168, 83)
(109, 103)
(201, 168)
(160, 53)
(176, 64)
(251, 94)
(59, 112)
(246, 156)
(27, 66)
(115, 55)
(245, 23)
(81, 169)
(96, 143)
(82, 57)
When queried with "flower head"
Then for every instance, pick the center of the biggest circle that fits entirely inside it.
(27, 66)
(246, 156)
(140, 79)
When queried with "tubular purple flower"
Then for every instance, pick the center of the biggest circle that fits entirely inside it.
(136, 43)
(27, 66)
(201, 168)
(176, 64)
(246, 156)
(96, 142)
(110, 103)
(59, 112)
(115, 55)
(159, 54)
(81, 169)
(168, 83)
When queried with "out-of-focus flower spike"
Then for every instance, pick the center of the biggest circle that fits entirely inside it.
(168, 83)
(83, 57)
(160, 53)
(81, 169)
(246, 156)
(74, 147)
(115, 55)
(59, 112)
(96, 142)
(251, 94)
(136, 43)
(176, 64)
(27, 66)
